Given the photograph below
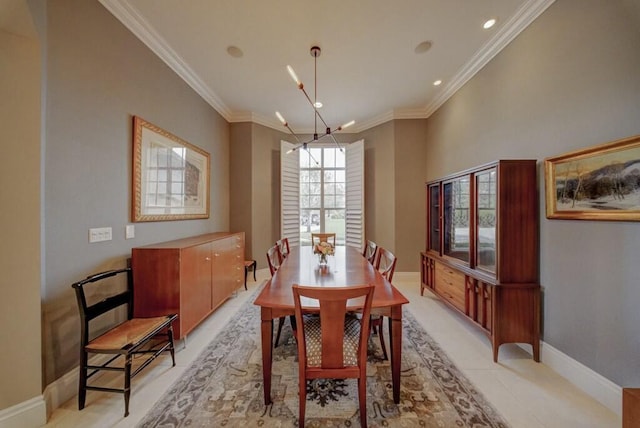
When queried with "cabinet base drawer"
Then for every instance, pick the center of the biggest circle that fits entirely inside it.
(450, 285)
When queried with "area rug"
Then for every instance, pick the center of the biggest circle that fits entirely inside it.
(223, 386)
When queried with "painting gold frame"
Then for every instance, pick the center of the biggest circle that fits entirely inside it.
(170, 176)
(597, 183)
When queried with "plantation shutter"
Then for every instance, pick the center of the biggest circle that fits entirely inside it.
(289, 194)
(354, 216)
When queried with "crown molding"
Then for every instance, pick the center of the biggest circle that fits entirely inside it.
(131, 19)
(374, 121)
(129, 16)
(518, 22)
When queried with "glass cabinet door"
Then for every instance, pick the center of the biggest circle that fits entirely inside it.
(456, 218)
(434, 218)
(486, 220)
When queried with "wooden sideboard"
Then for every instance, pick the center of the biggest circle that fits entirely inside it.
(481, 253)
(190, 277)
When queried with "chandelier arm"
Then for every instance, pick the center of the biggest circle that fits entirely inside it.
(293, 133)
(311, 156)
(336, 142)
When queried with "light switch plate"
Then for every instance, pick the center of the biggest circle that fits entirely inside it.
(129, 231)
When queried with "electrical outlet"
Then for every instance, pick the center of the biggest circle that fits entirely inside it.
(99, 234)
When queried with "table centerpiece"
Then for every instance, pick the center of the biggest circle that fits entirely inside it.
(323, 249)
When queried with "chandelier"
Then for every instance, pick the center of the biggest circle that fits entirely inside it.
(315, 53)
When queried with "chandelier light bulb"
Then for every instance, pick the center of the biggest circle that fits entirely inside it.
(284, 122)
(348, 124)
(293, 75)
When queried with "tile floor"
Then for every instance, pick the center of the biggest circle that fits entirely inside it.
(527, 394)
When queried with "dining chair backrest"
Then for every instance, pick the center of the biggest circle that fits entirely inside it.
(369, 251)
(316, 238)
(283, 244)
(274, 259)
(333, 345)
(385, 263)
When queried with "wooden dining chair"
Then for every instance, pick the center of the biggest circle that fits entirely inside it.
(386, 264)
(333, 345)
(283, 244)
(274, 260)
(369, 251)
(316, 238)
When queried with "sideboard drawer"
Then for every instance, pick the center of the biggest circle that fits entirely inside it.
(450, 284)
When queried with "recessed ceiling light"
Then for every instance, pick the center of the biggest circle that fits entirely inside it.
(317, 104)
(235, 51)
(437, 82)
(489, 23)
(423, 47)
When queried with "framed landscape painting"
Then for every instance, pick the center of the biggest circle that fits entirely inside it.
(170, 176)
(598, 183)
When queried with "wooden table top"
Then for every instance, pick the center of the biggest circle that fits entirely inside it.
(346, 267)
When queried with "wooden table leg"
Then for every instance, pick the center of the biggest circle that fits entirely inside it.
(267, 345)
(395, 339)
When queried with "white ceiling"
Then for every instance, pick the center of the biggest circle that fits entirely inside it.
(368, 70)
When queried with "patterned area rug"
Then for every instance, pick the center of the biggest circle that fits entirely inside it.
(223, 386)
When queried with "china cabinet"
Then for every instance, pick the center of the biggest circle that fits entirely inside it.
(481, 254)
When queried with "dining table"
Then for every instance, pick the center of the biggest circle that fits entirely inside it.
(346, 267)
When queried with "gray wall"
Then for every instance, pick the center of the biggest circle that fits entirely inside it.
(255, 187)
(98, 76)
(409, 204)
(379, 188)
(240, 176)
(20, 359)
(569, 81)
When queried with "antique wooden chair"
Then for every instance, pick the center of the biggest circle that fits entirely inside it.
(386, 264)
(369, 251)
(128, 338)
(333, 345)
(316, 238)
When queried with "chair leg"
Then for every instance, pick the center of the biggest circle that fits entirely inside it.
(172, 348)
(246, 269)
(376, 327)
(254, 266)
(381, 336)
(303, 400)
(362, 399)
(127, 384)
(82, 382)
(280, 324)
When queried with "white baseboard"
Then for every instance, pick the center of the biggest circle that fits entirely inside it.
(595, 385)
(61, 390)
(28, 414)
(36, 412)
